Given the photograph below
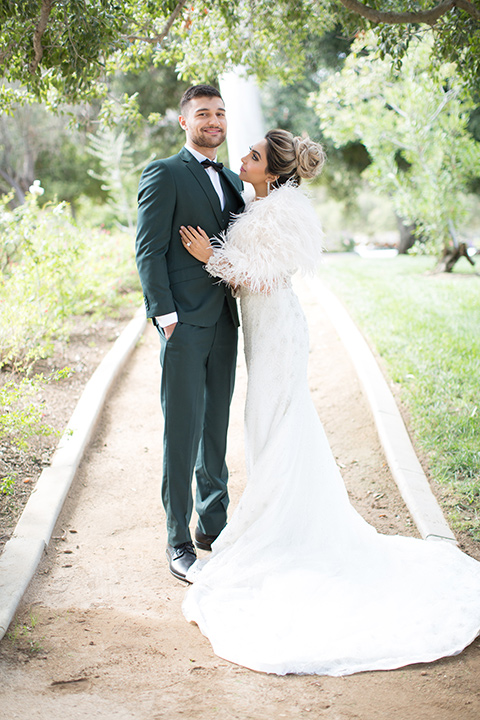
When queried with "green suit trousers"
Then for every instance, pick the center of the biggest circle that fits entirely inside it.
(198, 371)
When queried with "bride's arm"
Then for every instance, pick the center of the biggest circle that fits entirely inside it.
(197, 243)
(265, 245)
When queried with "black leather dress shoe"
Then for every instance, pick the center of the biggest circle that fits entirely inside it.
(180, 559)
(202, 541)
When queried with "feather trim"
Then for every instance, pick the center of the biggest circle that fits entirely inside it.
(275, 237)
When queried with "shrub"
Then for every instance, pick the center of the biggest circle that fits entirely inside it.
(52, 271)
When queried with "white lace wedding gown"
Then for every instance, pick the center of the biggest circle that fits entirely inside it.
(298, 582)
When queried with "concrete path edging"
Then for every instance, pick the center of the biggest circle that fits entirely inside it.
(22, 553)
(401, 457)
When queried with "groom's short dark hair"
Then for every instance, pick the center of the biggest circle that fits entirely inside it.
(198, 91)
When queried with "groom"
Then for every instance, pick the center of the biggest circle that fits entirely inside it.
(196, 318)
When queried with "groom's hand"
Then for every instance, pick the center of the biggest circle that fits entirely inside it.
(168, 330)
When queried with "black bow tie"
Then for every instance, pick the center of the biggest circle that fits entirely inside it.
(210, 163)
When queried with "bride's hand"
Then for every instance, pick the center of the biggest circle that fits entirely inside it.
(196, 242)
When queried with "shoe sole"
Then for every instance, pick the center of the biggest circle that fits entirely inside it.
(175, 574)
(180, 577)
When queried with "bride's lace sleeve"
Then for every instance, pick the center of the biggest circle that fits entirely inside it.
(272, 239)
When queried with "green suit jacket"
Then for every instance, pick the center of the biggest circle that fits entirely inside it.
(173, 192)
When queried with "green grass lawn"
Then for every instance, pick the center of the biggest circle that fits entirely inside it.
(426, 329)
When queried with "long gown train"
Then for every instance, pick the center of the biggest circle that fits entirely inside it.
(298, 582)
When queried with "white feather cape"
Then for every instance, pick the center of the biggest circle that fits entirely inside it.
(275, 237)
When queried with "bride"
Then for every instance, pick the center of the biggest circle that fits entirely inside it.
(298, 582)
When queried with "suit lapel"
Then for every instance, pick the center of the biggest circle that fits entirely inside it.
(234, 203)
(225, 179)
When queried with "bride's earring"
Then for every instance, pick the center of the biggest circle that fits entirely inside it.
(269, 183)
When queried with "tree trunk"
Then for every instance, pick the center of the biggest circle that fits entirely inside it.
(407, 235)
(452, 255)
(14, 184)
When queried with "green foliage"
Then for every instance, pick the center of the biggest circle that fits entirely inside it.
(426, 329)
(21, 415)
(267, 37)
(414, 127)
(287, 106)
(52, 271)
(157, 92)
(457, 39)
(64, 170)
(34, 142)
(119, 175)
(21, 635)
(76, 38)
(156, 89)
(73, 47)
(78, 45)
(7, 485)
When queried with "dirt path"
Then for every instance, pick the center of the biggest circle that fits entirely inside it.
(109, 641)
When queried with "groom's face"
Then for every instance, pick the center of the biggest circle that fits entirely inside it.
(204, 122)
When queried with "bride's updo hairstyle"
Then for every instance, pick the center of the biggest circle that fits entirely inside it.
(292, 158)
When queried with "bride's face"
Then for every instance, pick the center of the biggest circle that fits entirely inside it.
(254, 167)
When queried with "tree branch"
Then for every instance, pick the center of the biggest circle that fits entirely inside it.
(166, 29)
(39, 32)
(428, 17)
(448, 95)
(468, 7)
(13, 183)
(6, 53)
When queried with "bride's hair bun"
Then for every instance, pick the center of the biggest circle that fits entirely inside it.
(292, 158)
(309, 157)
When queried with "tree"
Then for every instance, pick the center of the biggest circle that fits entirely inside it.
(70, 45)
(118, 173)
(30, 132)
(414, 126)
(38, 143)
(288, 106)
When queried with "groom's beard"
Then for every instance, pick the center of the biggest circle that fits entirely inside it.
(203, 139)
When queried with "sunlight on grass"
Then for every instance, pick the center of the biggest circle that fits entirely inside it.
(426, 330)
